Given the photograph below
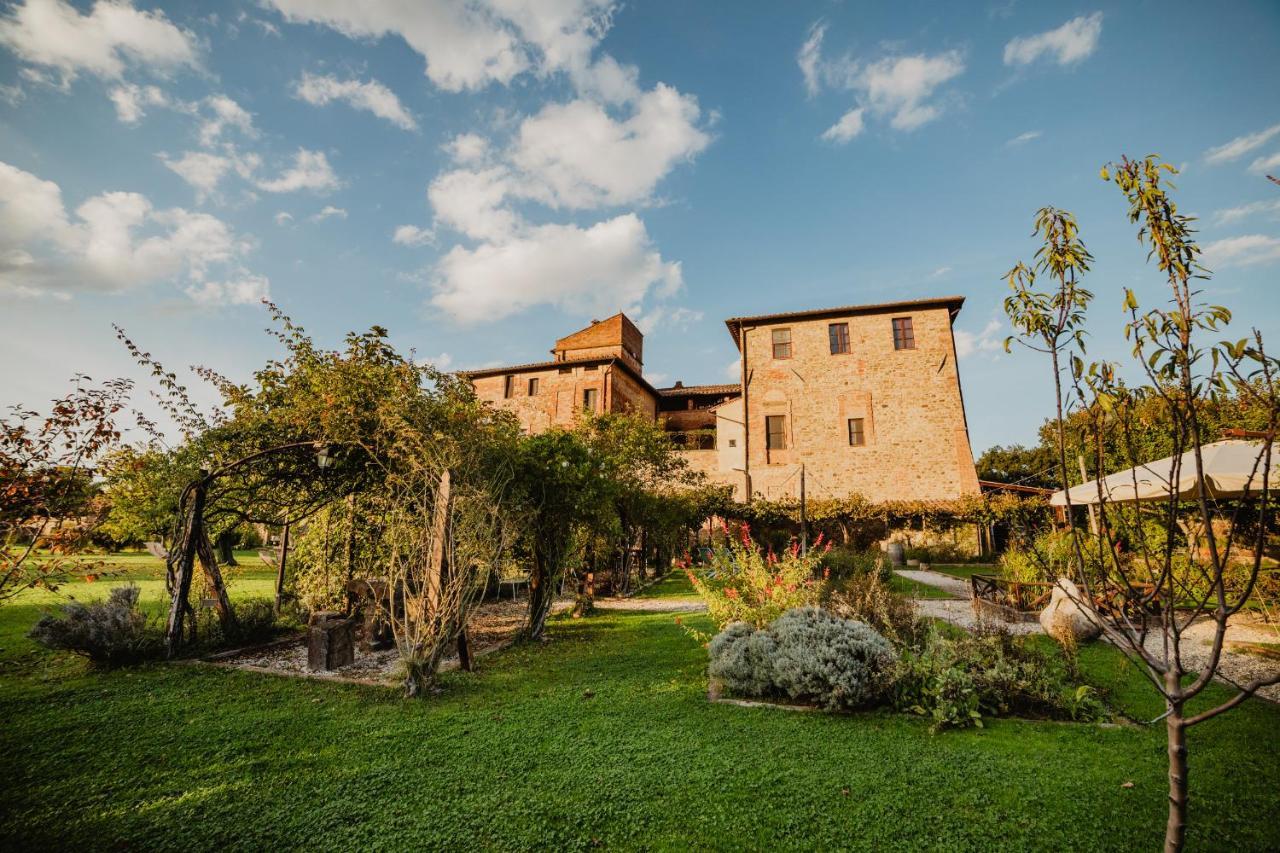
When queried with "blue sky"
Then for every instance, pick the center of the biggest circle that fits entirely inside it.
(483, 178)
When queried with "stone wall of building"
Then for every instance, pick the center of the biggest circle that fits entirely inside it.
(917, 443)
(628, 395)
(559, 397)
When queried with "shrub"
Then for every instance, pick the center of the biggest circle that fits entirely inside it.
(839, 564)
(109, 633)
(807, 654)
(956, 680)
(869, 598)
(255, 623)
(739, 583)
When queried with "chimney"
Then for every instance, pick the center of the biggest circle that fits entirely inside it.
(678, 384)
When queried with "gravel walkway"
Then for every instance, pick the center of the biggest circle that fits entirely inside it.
(946, 583)
(652, 605)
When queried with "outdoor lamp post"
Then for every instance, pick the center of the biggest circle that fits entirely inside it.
(323, 457)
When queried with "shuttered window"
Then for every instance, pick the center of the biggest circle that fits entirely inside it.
(904, 337)
(533, 386)
(775, 435)
(838, 334)
(857, 433)
(782, 343)
(589, 398)
(508, 386)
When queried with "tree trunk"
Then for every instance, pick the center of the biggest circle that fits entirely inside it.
(226, 556)
(540, 597)
(586, 603)
(1175, 829)
(280, 566)
(222, 602)
(464, 651)
(180, 604)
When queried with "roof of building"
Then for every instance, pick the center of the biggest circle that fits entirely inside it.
(611, 360)
(952, 303)
(610, 330)
(694, 390)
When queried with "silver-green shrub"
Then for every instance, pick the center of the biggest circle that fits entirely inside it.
(109, 633)
(807, 654)
(837, 663)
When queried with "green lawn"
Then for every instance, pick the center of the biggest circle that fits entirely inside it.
(915, 589)
(965, 570)
(601, 736)
(674, 585)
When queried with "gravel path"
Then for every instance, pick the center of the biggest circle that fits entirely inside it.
(653, 605)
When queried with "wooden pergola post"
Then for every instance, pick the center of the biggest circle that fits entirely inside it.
(280, 565)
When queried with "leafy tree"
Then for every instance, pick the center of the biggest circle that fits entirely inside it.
(1025, 466)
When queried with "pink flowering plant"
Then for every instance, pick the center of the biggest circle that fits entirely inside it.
(741, 583)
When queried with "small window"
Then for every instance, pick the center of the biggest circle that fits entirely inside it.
(904, 337)
(775, 432)
(782, 343)
(857, 432)
(566, 370)
(733, 442)
(589, 398)
(533, 386)
(838, 333)
(591, 367)
(508, 386)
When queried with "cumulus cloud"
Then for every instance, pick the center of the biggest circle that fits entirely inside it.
(368, 95)
(245, 289)
(970, 343)
(224, 113)
(849, 126)
(201, 169)
(899, 88)
(1233, 215)
(1243, 251)
(609, 265)
(1070, 43)
(283, 218)
(328, 212)
(467, 148)
(1023, 138)
(310, 171)
(131, 101)
(1241, 145)
(467, 46)
(54, 35)
(576, 155)
(472, 202)
(412, 235)
(116, 240)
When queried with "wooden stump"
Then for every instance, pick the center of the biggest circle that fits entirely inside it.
(330, 644)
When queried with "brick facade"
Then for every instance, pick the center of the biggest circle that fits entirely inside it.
(907, 399)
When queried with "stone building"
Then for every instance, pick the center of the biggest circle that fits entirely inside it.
(863, 399)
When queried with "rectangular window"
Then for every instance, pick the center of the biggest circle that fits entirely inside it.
(591, 367)
(533, 386)
(589, 397)
(775, 432)
(566, 370)
(904, 337)
(838, 333)
(733, 442)
(857, 433)
(782, 343)
(508, 386)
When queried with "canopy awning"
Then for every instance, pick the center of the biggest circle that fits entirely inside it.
(1232, 469)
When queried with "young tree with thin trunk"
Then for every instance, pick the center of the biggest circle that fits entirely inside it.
(1135, 582)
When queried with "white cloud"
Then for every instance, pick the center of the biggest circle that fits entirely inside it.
(608, 266)
(1023, 138)
(576, 155)
(733, 370)
(1241, 145)
(130, 101)
(310, 171)
(328, 212)
(1070, 43)
(202, 170)
(113, 35)
(412, 235)
(470, 45)
(849, 126)
(369, 95)
(440, 362)
(968, 343)
(939, 272)
(1243, 251)
(1265, 164)
(668, 318)
(472, 202)
(467, 148)
(899, 88)
(283, 218)
(116, 241)
(1232, 215)
(246, 289)
(225, 113)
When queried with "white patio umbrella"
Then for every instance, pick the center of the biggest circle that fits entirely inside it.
(1232, 468)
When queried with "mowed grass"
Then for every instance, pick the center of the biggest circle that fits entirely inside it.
(601, 736)
(964, 571)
